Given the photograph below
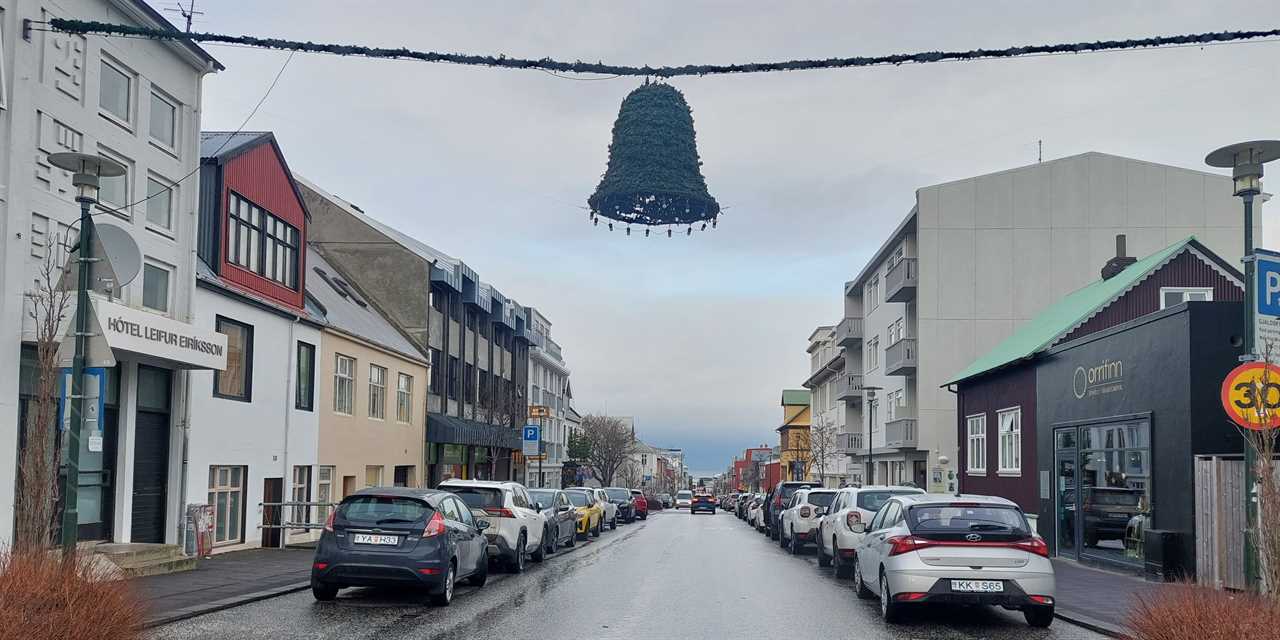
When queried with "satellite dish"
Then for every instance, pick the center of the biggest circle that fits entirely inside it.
(121, 252)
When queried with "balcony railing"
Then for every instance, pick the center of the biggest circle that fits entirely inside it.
(901, 281)
(849, 388)
(849, 332)
(900, 358)
(900, 433)
(850, 443)
(553, 349)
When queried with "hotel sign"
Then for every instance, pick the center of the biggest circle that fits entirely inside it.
(117, 328)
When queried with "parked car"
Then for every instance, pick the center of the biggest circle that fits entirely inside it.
(515, 528)
(621, 498)
(966, 549)
(800, 519)
(667, 500)
(756, 513)
(684, 498)
(852, 505)
(588, 511)
(702, 502)
(642, 504)
(561, 521)
(610, 509)
(740, 506)
(394, 536)
(1107, 511)
(778, 497)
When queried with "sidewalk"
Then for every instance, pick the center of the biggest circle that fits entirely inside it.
(224, 581)
(1097, 599)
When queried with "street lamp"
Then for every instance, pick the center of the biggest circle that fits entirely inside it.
(86, 173)
(1245, 160)
(870, 392)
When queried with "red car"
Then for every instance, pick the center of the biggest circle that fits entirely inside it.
(642, 504)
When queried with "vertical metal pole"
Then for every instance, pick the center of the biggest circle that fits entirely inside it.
(71, 482)
(871, 463)
(1250, 459)
(542, 448)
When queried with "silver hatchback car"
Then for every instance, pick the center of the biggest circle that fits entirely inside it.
(965, 549)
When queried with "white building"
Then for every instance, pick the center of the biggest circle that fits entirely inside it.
(976, 257)
(548, 388)
(827, 412)
(135, 101)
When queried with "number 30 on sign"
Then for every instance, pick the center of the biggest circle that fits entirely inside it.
(1251, 395)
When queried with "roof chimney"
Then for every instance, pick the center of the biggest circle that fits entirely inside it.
(1117, 264)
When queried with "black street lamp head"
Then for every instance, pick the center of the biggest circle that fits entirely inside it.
(1245, 159)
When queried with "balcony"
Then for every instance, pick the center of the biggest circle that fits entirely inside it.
(901, 280)
(900, 433)
(849, 388)
(850, 444)
(849, 332)
(900, 358)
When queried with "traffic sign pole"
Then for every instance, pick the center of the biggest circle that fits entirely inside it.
(1250, 462)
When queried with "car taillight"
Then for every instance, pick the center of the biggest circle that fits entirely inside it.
(328, 522)
(499, 512)
(804, 512)
(435, 526)
(852, 518)
(1034, 545)
(902, 544)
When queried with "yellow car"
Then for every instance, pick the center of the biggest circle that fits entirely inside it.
(590, 513)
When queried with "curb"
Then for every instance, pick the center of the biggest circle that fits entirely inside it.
(225, 603)
(1092, 624)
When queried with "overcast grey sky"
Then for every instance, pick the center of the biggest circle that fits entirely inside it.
(696, 337)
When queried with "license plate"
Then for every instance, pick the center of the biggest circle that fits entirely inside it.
(1120, 516)
(369, 538)
(978, 586)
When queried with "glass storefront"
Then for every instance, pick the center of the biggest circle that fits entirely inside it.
(453, 461)
(1102, 490)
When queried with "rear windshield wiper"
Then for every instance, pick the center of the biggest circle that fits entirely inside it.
(988, 527)
(392, 520)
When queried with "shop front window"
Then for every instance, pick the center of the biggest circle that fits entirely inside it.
(453, 462)
(1103, 490)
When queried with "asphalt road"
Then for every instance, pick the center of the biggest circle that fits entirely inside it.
(673, 576)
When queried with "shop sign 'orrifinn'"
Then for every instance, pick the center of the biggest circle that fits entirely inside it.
(1251, 395)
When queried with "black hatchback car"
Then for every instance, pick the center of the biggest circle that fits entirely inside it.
(395, 536)
(626, 503)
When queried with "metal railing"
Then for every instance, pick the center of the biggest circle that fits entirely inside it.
(849, 442)
(849, 387)
(300, 514)
(901, 280)
(849, 332)
(900, 433)
(900, 357)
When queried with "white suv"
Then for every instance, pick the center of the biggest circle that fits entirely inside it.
(799, 520)
(515, 528)
(836, 538)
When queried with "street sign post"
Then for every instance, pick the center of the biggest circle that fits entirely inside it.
(1267, 306)
(532, 440)
(1251, 395)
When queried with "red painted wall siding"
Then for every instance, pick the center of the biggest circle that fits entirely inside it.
(1186, 270)
(1002, 390)
(260, 176)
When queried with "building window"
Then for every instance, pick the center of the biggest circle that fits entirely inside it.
(377, 392)
(1173, 296)
(871, 293)
(236, 381)
(226, 494)
(896, 330)
(873, 353)
(304, 396)
(1010, 429)
(113, 192)
(115, 90)
(164, 121)
(373, 476)
(404, 398)
(402, 475)
(976, 460)
(344, 380)
(262, 243)
(301, 493)
(155, 287)
(159, 204)
(324, 491)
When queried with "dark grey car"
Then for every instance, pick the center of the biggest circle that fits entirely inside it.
(395, 536)
(562, 520)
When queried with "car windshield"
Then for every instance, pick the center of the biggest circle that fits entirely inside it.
(684, 494)
(820, 498)
(477, 497)
(873, 500)
(578, 498)
(618, 494)
(966, 518)
(382, 508)
(547, 498)
(1116, 497)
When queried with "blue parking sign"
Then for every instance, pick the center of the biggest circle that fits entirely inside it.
(1268, 265)
(532, 433)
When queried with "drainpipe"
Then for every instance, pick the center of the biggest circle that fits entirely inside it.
(286, 477)
(184, 406)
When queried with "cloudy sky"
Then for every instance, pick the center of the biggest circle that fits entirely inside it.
(696, 337)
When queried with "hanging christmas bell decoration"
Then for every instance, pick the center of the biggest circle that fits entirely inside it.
(654, 175)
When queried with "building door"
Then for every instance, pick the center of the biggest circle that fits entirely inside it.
(150, 475)
(1102, 487)
(95, 502)
(272, 491)
(1065, 494)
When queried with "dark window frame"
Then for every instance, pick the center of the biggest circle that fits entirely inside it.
(248, 356)
(273, 234)
(310, 401)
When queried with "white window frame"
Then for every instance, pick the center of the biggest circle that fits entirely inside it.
(132, 108)
(976, 438)
(1013, 436)
(377, 392)
(871, 293)
(166, 185)
(216, 487)
(1183, 291)
(301, 492)
(168, 285)
(404, 398)
(873, 353)
(367, 469)
(177, 117)
(324, 489)
(119, 209)
(344, 385)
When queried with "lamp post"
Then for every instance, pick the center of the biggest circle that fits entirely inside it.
(870, 392)
(86, 170)
(1245, 159)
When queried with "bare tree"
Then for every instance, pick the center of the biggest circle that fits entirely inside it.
(40, 454)
(1264, 439)
(822, 444)
(608, 444)
(630, 474)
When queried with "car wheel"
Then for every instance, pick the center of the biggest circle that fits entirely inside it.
(889, 610)
(644, 516)
(541, 553)
(797, 547)
(323, 591)
(782, 539)
(859, 584)
(573, 538)
(595, 533)
(517, 563)
(824, 560)
(445, 597)
(613, 524)
(1039, 616)
(481, 575)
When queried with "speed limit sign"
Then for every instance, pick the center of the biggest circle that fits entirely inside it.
(1251, 395)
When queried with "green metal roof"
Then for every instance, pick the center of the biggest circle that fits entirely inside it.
(1043, 330)
(795, 397)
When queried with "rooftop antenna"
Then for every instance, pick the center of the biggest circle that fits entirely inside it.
(1039, 148)
(187, 12)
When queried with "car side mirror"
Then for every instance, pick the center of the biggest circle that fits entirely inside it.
(537, 506)
(481, 525)
(859, 527)
(820, 511)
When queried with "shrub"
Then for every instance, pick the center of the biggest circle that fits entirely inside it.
(1191, 612)
(42, 596)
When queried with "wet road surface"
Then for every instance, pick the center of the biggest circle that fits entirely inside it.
(673, 576)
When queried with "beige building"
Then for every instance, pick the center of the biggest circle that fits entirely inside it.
(372, 393)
